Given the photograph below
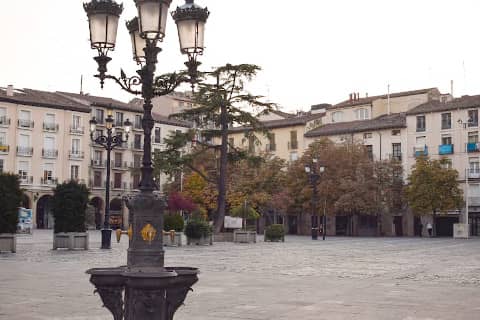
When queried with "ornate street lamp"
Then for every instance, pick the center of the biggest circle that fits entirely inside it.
(152, 291)
(109, 142)
(314, 177)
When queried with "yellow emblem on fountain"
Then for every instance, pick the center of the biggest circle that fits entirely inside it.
(148, 233)
(130, 232)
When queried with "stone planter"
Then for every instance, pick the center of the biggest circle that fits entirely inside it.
(242, 236)
(8, 242)
(223, 237)
(173, 239)
(203, 241)
(70, 240)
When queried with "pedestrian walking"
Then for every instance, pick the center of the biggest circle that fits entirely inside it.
(429, 229)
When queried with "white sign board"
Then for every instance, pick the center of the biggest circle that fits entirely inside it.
(25, 223)
(232, 223)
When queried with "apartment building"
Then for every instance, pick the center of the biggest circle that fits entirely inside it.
(126, 159)
(285, 138)
(43, 139)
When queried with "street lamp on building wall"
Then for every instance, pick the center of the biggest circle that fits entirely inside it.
(313, 171)
(152, 291)
(109, 141)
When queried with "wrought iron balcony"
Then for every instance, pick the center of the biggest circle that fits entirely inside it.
(98, 185)
(77, 130)
(4, 121)
(49, 181)
(49, 153)
(98, 163)
(119, 185)
(50, 127)
(25, 124)
(119, 165)
(26, 179)
(419, 151)
(473, 173)
(473, 147)
(4, 148)
(395, 156)
(137, 146)
(445, 149)
(24, 151)
(76, 155)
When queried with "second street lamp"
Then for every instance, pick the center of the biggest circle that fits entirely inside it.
(314, 177)
(109, 142)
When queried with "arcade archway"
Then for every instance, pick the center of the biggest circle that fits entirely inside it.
(98, 205)
(44, 213)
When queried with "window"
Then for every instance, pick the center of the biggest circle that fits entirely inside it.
(24, 119)
(397, 151)
(97, 178)
(446, 120)
(24, 141)
(3, 116)
(473, 137)
(138, 121)
(367, 135)
(420, 123)
(446, 140)
(136, 181)
(49, 123)
(97, 157)
(231, 142)
(3, 138)
(47, 172)
(474, 165)
(117, 180)
(98, 133)
(446, 163)
(293, 140)
(75, 146)
(118, 160)
(251, 144)
(137, 142)
(157, 135)
(74, 172)
(396, 132)
(99, 116)
(369, 150)
(362, 114)
(119, 119)
(2, 165)
(23, 170)
(337, 116)
(473, 118)
(137, 161)
(271, 142)
(76, 122)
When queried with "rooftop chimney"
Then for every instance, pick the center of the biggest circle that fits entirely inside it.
(351, 97)
(366, 94)
(9, 90)
(451, 87)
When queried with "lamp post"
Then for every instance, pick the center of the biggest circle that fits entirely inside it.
(314, 176)
(109, 142)
(152, 291)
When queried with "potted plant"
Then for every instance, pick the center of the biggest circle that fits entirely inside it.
(70, 201)
(275, 233)
(10, 200)
(173, 225)
(198, 232)
(246, 213)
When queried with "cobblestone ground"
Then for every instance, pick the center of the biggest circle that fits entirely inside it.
(341, 278)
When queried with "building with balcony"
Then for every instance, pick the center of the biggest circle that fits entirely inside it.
(38, 144)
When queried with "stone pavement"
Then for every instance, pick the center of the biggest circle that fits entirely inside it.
(341, 278)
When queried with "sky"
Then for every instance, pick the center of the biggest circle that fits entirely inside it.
(310, 51)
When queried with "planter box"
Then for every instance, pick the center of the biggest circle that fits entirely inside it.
(8, 242)
(208, 240)
(70, 240)
(223, 237)
(172, 241)
(241, 236)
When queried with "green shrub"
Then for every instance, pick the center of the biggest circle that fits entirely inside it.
(173, 222)
(197, 229)
(274, 232)
(249, 214)
(70, 201)
(10, 200)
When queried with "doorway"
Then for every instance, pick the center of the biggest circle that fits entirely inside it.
(44, 213)
(398, 223)
(292, 224)
(444, 226)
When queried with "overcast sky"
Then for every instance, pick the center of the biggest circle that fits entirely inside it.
(311, 51)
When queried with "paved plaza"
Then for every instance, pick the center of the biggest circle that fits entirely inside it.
(341, 278)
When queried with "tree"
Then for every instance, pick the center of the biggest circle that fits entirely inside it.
(222, 103)
(10, 200)
(70, 201)
(433, 187)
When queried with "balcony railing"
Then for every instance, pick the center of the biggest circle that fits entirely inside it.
(4, 121)
(445, 149)
(27, 124)
(473, 173)
(135, 165)
(24, 151)
(50, 127)
(419, 151)
(119, 186)
(49, 153)
(119, 165)
(473, 147)
(77, 130)
(137, 146)
(292, 145)
(98, 163)
(76, 154)
(395, 156)
(49, 181)
(98, 185)
(4, 148)
(26, 180)
(123, 145)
